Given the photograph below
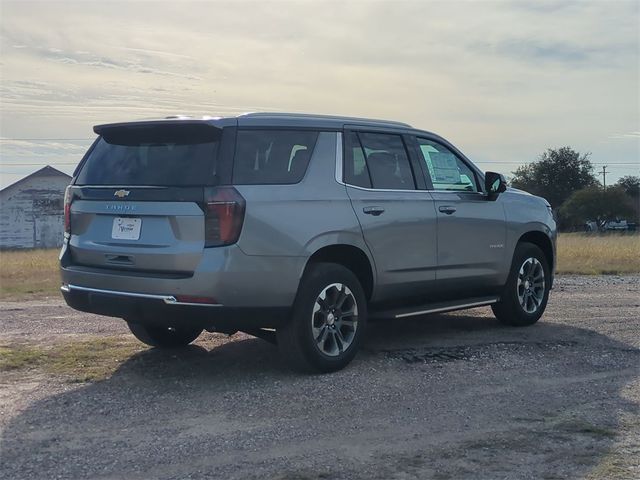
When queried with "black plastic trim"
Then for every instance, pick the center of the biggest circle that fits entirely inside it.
(158, 313)
(172, 275)
(138, 194)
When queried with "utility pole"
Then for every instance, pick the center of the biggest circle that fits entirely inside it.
(604, 177)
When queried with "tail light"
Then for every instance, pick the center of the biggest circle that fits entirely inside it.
(223, 216)
(67, 210)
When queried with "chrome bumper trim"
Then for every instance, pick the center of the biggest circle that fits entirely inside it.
(168, 299)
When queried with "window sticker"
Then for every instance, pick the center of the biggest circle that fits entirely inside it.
(445, 168)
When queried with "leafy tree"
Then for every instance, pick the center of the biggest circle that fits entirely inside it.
(556, 175)
(631, 185)
(594, 203)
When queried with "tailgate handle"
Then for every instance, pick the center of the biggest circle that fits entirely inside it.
(119, 259)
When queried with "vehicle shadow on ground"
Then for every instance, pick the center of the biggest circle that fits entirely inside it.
(191, 402)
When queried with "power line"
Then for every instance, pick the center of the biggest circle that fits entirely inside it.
(477, 161)
(92, 139)
(46, 139)
(608, 165)
(523, 163)
(38, 163)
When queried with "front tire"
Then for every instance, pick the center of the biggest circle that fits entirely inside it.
(328, 320)
(526, 292)
(164, 337)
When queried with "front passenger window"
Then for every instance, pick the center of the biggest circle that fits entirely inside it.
(446, 169)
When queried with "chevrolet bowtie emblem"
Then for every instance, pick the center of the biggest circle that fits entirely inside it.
(121, 193)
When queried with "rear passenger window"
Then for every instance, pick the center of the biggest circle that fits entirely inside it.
(355, 167)
(272, 156)
(446, 169)
(377, 160)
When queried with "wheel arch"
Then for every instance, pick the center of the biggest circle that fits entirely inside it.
(351, 257)
(542, 241)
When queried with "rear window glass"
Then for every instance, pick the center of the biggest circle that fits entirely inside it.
(355, 166)
(272, 156)
(170, 155)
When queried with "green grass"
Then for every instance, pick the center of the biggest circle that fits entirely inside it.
(19, 358)
(79, 361)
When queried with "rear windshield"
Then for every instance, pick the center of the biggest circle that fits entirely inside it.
(272, 156)
(167, 155)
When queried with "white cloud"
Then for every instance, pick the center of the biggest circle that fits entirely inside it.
(503, 80)
(622, 136)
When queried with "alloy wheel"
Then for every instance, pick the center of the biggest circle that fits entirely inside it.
(334, 320)
(531, 285)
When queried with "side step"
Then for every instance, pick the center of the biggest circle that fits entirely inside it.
(435, 308)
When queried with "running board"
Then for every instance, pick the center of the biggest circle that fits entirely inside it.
(435, 308)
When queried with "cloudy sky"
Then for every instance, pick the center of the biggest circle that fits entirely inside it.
(502, 80)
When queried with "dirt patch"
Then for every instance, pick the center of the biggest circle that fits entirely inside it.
(451, 396)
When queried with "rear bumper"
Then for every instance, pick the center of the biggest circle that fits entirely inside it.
(225, 274)
(163, 310)
(246, 291)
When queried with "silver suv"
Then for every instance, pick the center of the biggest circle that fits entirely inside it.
(295, 228)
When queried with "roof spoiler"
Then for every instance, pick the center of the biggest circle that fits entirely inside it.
(169, 121)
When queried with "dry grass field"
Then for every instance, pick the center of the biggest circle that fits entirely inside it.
(598, 254)
(28, 273)
(34, 273)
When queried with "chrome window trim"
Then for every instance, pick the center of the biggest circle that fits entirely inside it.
(458, 191)
(339, 158)
(381, 189)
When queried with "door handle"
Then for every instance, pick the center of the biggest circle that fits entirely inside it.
(448, 209)
(375, 211)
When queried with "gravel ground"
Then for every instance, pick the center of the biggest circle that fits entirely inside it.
(450, 396)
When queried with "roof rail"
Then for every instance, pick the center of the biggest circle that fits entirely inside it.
(327, 117)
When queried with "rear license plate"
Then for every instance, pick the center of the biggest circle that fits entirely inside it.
(126, 228)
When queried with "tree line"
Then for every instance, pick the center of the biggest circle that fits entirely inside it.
(567, 180)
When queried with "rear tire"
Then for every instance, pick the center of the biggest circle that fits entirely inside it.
(328, 320)
(164, 337)
(526, 292)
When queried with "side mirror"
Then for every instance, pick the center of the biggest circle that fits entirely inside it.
(494, 184)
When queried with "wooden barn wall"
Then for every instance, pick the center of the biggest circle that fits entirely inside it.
(32, 213)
